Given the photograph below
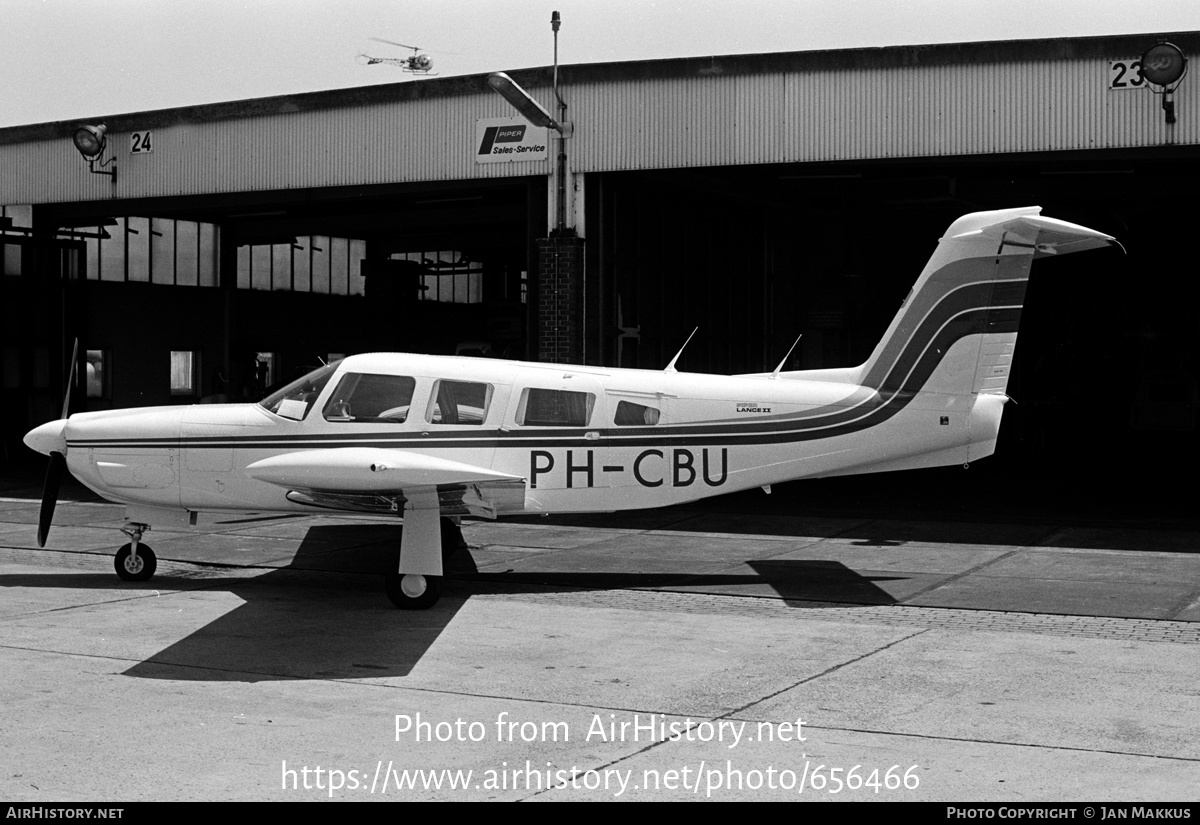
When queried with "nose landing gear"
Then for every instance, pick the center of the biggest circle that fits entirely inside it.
(135, 562)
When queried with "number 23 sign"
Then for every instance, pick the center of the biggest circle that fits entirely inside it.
(1125, 74)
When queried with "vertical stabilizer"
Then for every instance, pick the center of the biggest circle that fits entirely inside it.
(957, 329)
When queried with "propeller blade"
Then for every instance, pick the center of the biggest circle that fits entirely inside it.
(58, 463)
(70, 379)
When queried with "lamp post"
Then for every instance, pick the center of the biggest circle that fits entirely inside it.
(555, 22)
(561, 293)
(536, 114)
(529, 108)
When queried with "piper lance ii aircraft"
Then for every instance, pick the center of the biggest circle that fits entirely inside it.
(432, 439)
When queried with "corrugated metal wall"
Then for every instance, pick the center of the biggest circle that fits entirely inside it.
(428, 139)
(857, 114)
(966, 99)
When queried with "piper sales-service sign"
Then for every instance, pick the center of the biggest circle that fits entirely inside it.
(506, 139)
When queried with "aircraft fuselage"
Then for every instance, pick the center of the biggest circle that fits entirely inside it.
(636, 439)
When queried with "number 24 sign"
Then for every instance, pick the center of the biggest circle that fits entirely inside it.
(141, 143)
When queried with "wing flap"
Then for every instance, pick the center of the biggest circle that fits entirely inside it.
(484, 500)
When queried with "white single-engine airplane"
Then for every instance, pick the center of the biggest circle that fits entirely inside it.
(435, 438)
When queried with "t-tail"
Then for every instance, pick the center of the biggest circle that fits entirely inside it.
(951, 344)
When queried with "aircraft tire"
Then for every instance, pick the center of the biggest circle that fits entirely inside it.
(147, 563)
(452, 539)
(406, 598)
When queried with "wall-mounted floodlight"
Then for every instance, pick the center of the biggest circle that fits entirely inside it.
(91, 141)
(1164, 64)
(529, 108)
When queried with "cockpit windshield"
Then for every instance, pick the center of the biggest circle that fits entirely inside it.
(296, 399)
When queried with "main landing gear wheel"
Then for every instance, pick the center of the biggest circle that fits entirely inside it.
(452, 539)
(138, 569)
(412, 592)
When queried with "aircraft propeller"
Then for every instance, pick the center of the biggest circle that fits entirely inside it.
(58, 458)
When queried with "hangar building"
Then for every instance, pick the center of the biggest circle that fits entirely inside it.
(756, 197)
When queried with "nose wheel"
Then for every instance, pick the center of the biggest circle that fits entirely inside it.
(137, 568)
(135, 562)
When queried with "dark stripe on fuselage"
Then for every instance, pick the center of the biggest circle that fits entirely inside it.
(955, 304)
(964, 310)
(965, 273)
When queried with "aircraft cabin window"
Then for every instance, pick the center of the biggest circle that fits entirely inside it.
(296, 399)
(459, 402)
(370, 398)
(555, 408)
(630, 414)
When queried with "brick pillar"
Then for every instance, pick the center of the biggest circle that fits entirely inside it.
(560, 300)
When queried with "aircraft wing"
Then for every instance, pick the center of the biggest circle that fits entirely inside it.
(375, 480)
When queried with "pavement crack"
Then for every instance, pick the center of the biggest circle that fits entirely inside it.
(731, 713)
(1001, 743)
(1182, 604)
(829, 670)
(970, 571)
(143, 594)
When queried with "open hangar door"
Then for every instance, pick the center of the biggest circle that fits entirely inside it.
(207, 299)
(1105, 373)
(39, 277)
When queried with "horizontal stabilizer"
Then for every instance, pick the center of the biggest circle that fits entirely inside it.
(1048, 236)
(956, 332)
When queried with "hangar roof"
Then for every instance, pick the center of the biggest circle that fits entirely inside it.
(794, 107)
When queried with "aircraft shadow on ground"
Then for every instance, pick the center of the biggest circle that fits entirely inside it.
(293, 625)
(866, 529)
(810, 581)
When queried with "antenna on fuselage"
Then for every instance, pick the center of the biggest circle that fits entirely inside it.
(671, 366)
(775, 374)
